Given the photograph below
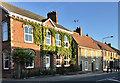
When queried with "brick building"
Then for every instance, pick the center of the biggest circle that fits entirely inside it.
(49, 41)
(89, 54)
(109, 55)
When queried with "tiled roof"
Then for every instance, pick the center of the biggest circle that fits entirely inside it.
(105, 46)
(85, 41)
(118, 51)
(23, 12)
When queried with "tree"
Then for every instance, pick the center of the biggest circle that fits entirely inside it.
(21, 57)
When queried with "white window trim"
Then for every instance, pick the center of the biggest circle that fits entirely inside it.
(85, 65)
(96, 54)
(46, 59)
(48, 38)
(28, 34)
(67, 60)
(58, 40)
(67, 42)
(5, 31)
(59, 60)
(4, 62)
(85, 53)
(92, 54)
(97, 64)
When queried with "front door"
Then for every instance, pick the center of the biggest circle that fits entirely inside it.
(92, 66)
(80, 65)
(47, 61)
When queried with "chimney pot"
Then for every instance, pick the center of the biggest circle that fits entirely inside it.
(79, 30)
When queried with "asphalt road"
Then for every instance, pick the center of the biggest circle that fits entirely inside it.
(80, 78)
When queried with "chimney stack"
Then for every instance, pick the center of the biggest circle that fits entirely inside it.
(109, 44)
(87, 35)
(79, 30)
(53, 16)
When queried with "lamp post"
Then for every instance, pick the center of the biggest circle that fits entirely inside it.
(102, 48)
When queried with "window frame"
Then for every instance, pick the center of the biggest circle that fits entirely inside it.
(4, 60)
(4, 31)
(86, 65)
(67, 61)
(59, 40)
(48, 38)
(28, 34)
(59, 61)
(85, 53)
(29, 67)
(66, 41)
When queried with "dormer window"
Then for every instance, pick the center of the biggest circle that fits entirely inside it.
(48, 38)
(28, 34)
(66, 42)
(58, 40)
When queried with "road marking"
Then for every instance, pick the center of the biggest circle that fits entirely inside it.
(108, 79)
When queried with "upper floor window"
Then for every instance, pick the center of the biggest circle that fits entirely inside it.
(5, 60)
(85, 53)
(48, 38)
(96, 54)
(92, 54)
(28, 34)
(58, 40)
(5, 31)
(66, 42)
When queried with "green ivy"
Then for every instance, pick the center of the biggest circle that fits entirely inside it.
(39, 33)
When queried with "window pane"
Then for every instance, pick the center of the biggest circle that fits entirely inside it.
(30, 30)
(56, 36)
(26, 29)
(48, 41)
(30, 38)
(47, 60)
(5, 28)
(48, 34)
(26, 37)
(5, 36)
(66, 44)
(57, 43)
(6, 63)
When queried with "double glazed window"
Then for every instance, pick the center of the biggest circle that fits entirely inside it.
(5, 61)
(5, 31)
(31, 64)
(66, 42)
(28, 34)
(48, 38)
(58, 40)
(66, 60)
(58, 61)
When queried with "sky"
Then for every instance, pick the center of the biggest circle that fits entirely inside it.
(97, 19)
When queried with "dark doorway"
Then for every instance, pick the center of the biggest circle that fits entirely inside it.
(92, 66)
(111, 64)
(80, 65)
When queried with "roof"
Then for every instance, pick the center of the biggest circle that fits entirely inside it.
(118, 51)
(85, 41)
(105, 46)
(26, 13)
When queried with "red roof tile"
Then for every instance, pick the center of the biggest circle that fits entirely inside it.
(85, 41)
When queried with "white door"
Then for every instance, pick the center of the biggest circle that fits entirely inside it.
(47, 61)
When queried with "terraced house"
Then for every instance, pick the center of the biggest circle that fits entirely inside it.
(109, 56)
(89, 54)
(49, 41)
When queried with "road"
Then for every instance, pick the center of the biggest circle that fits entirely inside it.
(79, 78)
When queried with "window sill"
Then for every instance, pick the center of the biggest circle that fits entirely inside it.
(6, 68)
(86, 69)
(28, 42)
(58, 65)
(66, 65)
(29, 67)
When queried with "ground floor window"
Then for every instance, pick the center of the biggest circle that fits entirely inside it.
(47, 61)
(66, 60)
(5, 60)
(30, 64)
(58, 61)
(97, 64)
(86, 65)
